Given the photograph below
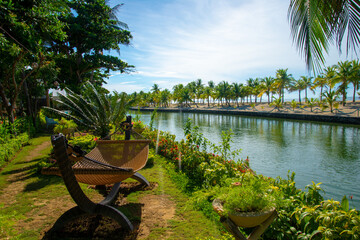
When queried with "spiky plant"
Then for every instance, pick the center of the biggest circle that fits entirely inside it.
(97, 112)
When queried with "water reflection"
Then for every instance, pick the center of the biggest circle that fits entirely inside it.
(326, 153)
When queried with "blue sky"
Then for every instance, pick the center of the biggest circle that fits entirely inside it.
(179, 41)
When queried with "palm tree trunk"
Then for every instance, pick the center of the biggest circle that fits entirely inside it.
(300, 97)
(354, 92)
(321, 89)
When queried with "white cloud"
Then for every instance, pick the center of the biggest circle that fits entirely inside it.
(180, 41)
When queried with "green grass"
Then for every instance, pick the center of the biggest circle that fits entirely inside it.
(37, 190)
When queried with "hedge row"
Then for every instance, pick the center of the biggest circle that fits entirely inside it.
(8, 149)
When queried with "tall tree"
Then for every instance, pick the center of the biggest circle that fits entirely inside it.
(199, 88)
(26, 28)
(329, 75)
(299, 85)
(307, 84)
(344, 75)
(267, 84)
(316, 24)
(356, 79)
(237, 88)
(91, 31)
(320, 81)
(282, 81)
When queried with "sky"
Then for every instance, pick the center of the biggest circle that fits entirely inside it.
(179, 41)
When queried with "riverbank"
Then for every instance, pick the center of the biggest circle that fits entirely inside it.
(348, 114)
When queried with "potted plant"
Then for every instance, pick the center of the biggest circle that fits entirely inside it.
(248, 201)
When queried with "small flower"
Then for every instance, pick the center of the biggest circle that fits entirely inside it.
(236, 184)
(351, 197)
(95, 139)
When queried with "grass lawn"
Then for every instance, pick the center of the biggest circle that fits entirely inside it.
(30, 203)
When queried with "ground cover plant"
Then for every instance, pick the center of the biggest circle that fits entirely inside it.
(13, 136)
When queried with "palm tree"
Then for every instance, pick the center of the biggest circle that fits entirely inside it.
(155, 88)
(96, 111)
(316, 24)
(250, 84)
(191, 86)
(237, 92)
(299, 85)
(319, 81)
(307, 84)
(282, 81)
(256, 88)
(267, 83)
(356, 79)
(330, 98)
(345, 74)
(329, 75)
(165, 97)
(186, 96)
(207, 93)
(211, 85)
(199, 88)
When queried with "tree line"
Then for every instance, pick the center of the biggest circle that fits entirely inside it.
(333, 82)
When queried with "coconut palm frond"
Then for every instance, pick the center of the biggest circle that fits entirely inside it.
(310, 31)
(353, 37)
(316, 24)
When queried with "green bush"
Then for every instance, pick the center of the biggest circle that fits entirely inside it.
(11, 146)
(85, 142)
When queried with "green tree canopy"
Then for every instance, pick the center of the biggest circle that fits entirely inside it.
(92, 31)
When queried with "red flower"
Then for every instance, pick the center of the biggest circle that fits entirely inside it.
(95, 139)
(197, 146)
(351, 197)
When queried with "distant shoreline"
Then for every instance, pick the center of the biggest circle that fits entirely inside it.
(344, 115)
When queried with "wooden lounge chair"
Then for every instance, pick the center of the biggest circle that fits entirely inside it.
(109, 163)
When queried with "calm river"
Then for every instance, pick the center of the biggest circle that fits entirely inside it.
(319, 152)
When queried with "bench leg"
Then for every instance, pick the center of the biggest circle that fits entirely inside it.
(112, 194)
(103, 210)
(138, 177)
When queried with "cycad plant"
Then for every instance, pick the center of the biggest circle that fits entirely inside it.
(97, 112)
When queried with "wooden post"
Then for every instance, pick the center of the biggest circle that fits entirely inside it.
(128, 128)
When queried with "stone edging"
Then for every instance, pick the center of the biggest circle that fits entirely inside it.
(292, 116)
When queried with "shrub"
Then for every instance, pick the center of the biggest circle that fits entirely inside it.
(11, 146)
(85, 142)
